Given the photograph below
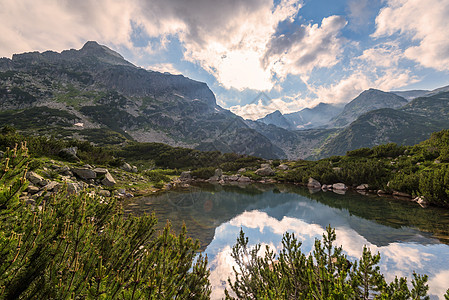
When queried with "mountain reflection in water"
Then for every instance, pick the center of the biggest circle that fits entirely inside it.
(408, 237)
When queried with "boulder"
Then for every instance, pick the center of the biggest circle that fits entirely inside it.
(134, 169)
(362, 187)
(101, 171)
(218, 173)
(84, 173)
(73, 188)
(52, 186)
(185, 176)
(108, 180)
(241, 170)
(265, 171)
(64, 170)
(244, 179)
(313, 183)
(126, 167)
(104, 193)
(233, 178)
(339, 186)
(283, 167)
(35, 178)
(265, 166)
(32, 189)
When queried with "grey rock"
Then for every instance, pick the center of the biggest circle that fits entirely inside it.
(32, 189)
(168, 186)
(283, 167)
(265, 166)
(242, 170)
(244, 179)
(313, 183)
(104, 193)
(134, 169)
(185, 176)
(36, 179)
(362, 187)
(126, 167)
(73, 188)
(84, 173)
(339, 186)
(101, 171)
(52, 186)
(65, 170)
(265, 171)
(233, 178)
(108, 180)
(218, 172)
(121, 191)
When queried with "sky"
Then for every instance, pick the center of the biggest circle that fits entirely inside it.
(257, 56)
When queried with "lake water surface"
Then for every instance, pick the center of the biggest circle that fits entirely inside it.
(408, 237)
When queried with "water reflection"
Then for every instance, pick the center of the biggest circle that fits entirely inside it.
(408, 237)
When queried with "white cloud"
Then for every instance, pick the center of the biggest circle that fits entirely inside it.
(425, 23)
(386, 55)
(31, 25)
(164, 67)
(306, 48)
(285, 105)
(233, 40)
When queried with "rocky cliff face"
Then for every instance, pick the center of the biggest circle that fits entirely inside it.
(111, 100)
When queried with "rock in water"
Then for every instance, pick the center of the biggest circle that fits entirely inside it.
(313, 183)
(339, 186)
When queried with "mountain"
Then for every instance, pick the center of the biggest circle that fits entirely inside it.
(410, 95)
(306, 118)
(408, 125)
(276, 118)
(95, 94)
(314, 117)
(368, 100)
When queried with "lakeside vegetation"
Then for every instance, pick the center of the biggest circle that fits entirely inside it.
(420, 170)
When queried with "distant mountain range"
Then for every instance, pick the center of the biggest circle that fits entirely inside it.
(306, 118)
(96, 95)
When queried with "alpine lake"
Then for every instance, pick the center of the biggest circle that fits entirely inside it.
(408, 237)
